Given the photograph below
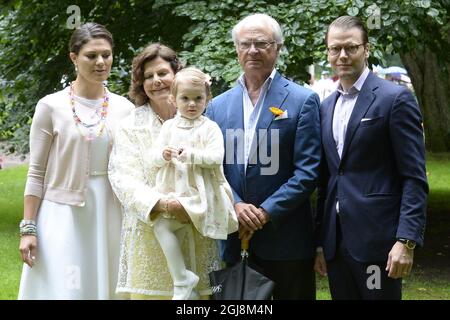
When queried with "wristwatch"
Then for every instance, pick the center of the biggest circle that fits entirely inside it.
(409, 244)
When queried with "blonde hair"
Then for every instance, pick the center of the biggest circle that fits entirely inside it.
(194, 76)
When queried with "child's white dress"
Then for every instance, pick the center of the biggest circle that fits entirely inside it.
(198, 183)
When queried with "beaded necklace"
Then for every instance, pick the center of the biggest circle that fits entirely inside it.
(159, 118)
(90, 127)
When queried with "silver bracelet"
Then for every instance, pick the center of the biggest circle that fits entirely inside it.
(25, 222)
(27, 227)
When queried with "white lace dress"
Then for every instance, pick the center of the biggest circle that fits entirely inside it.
(143, 267)
(78, 247)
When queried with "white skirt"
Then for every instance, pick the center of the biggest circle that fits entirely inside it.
(78, 248)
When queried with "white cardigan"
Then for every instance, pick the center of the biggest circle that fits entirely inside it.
(59, 155)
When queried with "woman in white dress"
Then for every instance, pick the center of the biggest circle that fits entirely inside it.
(143, 271)
(70, 234)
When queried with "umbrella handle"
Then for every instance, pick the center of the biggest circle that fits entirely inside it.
(244, 249)
(244, 244)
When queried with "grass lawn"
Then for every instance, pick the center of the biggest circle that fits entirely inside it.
(431, 271)
(430, 278)
(11, 207)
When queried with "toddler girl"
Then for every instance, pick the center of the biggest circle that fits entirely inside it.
(189, 153)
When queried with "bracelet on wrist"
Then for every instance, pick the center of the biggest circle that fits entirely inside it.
(25, 222)
(27, 227)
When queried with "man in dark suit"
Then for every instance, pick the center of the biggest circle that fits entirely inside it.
(372, 186)
(271, 128)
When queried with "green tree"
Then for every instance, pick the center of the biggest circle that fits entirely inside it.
(34, 57)
(416, 30)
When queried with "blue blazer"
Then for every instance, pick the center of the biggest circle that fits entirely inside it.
(380, 181)
(285, 194)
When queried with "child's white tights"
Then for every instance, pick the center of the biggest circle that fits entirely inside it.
(169, 233)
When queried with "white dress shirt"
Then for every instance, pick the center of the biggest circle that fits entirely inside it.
(342, 112)
(344, 108)
(252, 112)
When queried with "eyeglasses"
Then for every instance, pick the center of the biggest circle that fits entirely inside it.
(261, 45)
(351, 49)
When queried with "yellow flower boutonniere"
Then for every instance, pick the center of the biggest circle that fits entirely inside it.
(276, 111)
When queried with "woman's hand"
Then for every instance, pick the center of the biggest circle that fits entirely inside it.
(175, 208)
(320, 265)
(28, 249)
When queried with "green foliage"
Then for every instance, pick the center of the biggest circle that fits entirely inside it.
(208, 42)
(33, 40)
(405, 25)
(34, 57)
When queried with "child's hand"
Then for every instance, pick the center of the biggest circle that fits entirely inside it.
(182, 154)
(169, 153)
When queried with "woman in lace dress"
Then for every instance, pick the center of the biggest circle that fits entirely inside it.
(70, 234)
(143, 271)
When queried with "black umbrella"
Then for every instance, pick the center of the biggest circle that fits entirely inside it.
(240, 282)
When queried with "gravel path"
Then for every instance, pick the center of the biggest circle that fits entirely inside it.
(11, 160)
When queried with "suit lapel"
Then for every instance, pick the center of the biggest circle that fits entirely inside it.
(235, 120)
(328, 138)
(363, 103)
(235, 112)
(274, 98)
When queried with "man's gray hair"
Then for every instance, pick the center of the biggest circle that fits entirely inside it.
(259, 19)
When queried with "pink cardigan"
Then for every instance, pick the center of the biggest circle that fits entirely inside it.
(59, 155)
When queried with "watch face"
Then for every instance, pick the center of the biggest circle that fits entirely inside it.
(410, 244)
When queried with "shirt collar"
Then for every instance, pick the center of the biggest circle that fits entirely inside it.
(182, 122)
(356, 87)
(269, 80)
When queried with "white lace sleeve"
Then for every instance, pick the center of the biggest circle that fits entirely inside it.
(156, 152)
(128, 176)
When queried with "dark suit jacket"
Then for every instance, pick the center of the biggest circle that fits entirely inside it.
(284, 194)
(380, 181)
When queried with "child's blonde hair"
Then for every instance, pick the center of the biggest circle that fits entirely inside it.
(196, 77)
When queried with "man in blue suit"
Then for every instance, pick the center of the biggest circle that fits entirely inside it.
(372, 186)
(271, 128)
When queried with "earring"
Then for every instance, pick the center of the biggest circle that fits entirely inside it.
(76, 68)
